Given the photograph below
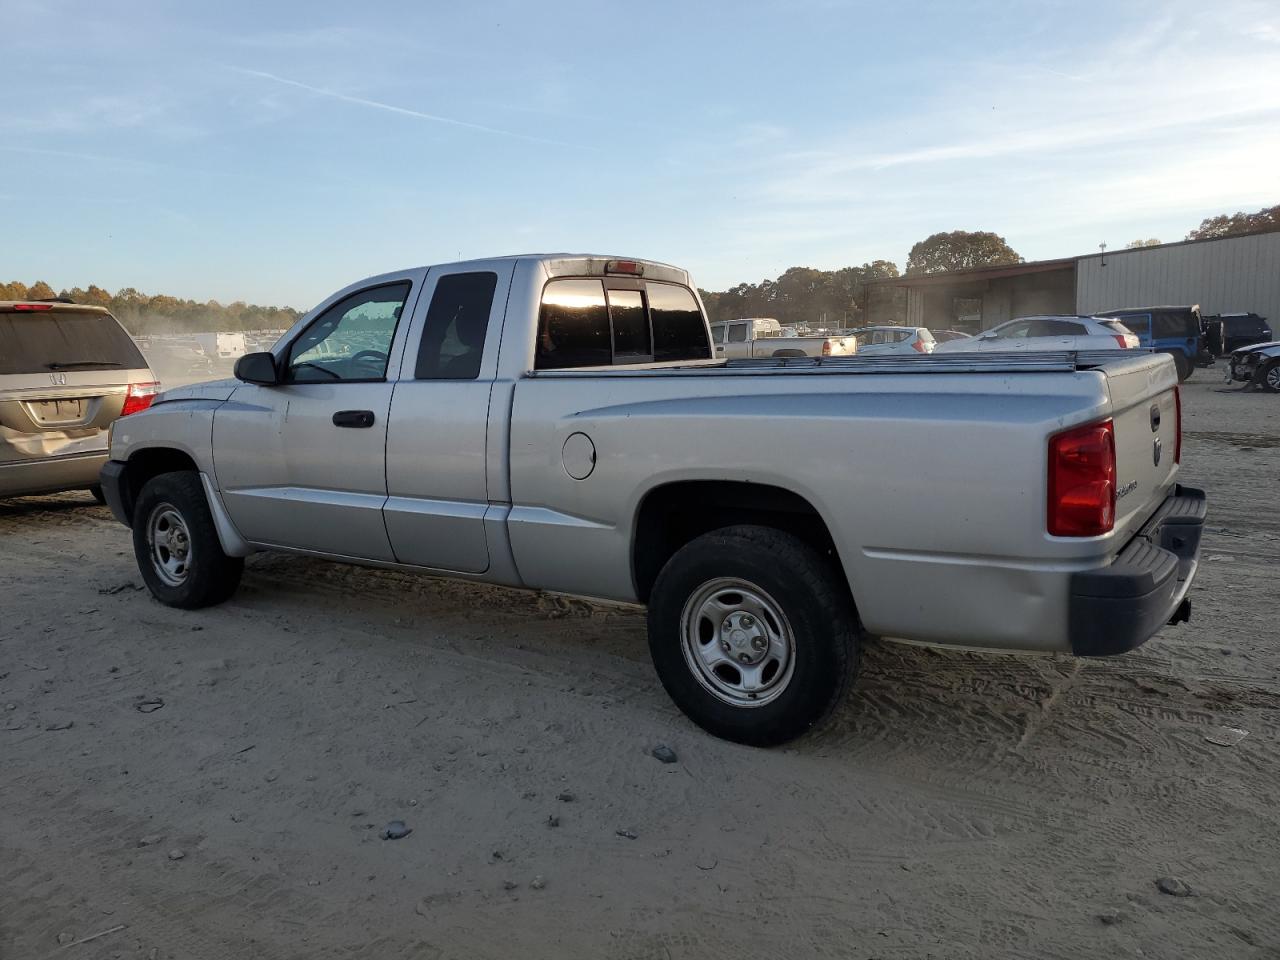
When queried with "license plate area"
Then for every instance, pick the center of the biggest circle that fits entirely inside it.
(50, 413)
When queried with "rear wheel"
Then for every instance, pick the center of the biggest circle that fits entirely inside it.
(753, 634)
(176, 544)
(1183, 363)
(1268, 377)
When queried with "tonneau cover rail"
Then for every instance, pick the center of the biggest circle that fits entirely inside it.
(1055, 361)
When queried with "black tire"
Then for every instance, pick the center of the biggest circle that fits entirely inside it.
(814, 600)
(1268, 376)
(1183, 363)
(98, 495)
(205, 576)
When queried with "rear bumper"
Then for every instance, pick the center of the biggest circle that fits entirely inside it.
(116, 490)
(1119, 607)
(27, 477)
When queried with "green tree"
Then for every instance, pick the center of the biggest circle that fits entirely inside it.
(1237, 224)
(1139, 244)
(960, 250)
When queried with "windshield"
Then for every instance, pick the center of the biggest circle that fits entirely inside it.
(52, 340)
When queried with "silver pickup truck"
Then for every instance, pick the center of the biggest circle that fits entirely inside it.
(765, 337)
(559, 423)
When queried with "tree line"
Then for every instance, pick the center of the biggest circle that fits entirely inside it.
(144, 314)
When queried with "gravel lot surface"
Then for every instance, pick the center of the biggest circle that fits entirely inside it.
(217, 784)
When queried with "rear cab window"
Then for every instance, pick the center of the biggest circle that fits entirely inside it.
(588, 322)
(53, 340)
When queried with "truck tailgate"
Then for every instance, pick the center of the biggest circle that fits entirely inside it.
(1145, 412)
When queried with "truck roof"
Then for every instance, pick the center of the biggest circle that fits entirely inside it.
(49, 306)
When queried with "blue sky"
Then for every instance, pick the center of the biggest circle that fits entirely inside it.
(276, 151)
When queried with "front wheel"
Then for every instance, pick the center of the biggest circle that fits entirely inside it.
(177, 547)
(753, 634)
(1268, 377)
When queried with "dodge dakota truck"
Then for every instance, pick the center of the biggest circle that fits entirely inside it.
(560, 423)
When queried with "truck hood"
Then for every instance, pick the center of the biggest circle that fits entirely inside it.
(212, 390)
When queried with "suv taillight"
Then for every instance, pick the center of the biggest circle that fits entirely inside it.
(1082, 481)
(139, 397)
(1177, 422)
(919, 346)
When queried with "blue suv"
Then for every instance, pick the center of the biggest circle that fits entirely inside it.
(1172, 330)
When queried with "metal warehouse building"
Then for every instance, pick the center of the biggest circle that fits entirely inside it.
(1227, 275)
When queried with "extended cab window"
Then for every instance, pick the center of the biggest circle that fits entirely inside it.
(679, 331)
(351, 340)
(457, 323)
(737, 333)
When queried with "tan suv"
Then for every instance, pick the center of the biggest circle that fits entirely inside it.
(66, 373)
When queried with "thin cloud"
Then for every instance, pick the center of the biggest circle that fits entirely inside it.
(392, 108)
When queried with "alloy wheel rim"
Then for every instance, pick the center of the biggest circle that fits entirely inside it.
(737, 642)
(169, 543)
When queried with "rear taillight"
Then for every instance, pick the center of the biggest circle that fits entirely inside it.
(918, 346)
(1121, 339)
(826, 348)
(139, 397)
(1082, 481)
(24, 307)
(1177, 423)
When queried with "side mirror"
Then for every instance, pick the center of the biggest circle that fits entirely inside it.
(259, 368)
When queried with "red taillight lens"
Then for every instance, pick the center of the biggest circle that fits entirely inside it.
(32, 306)
(1177, 423)
(918, 345)
(1121, 339)
(1082, 481)
(826, 348)
(139, 397)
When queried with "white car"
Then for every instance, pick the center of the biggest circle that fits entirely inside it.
(878, 341)
(1048, 333)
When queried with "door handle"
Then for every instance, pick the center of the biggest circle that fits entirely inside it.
(353, 418)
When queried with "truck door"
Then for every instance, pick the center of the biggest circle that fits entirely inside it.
(437, 483)
(736, 342)
(303, 464)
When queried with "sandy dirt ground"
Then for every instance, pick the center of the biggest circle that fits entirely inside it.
(214, 784)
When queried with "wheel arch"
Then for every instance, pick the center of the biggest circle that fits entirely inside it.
(147, 462)
(672, 514)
